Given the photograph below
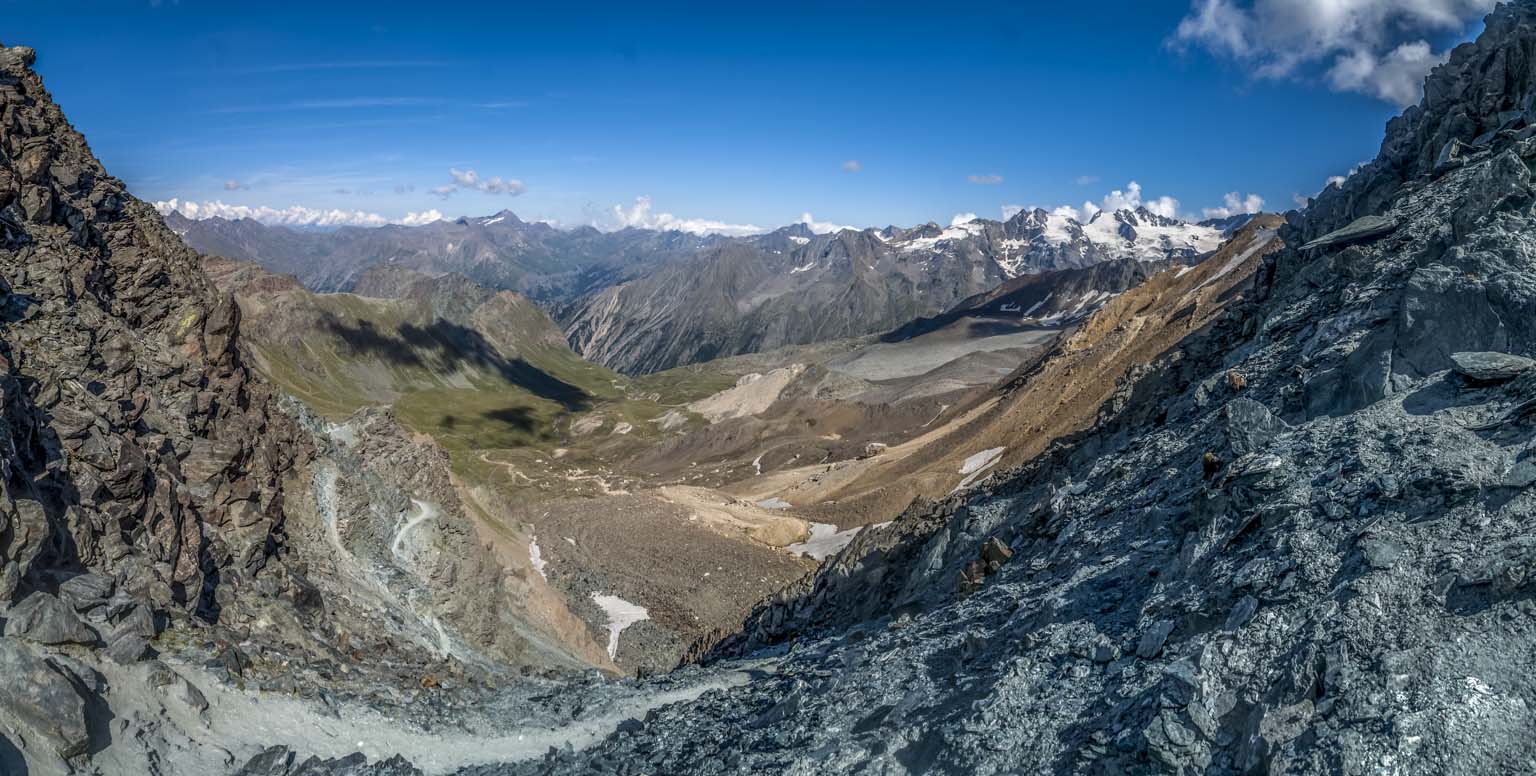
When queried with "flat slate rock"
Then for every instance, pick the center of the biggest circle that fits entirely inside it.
(1491, 367)
(1359, 229)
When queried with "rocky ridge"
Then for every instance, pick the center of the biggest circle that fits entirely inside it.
(168, 522)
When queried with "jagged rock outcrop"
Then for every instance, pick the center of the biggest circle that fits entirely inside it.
(136, 443)
(161, 504)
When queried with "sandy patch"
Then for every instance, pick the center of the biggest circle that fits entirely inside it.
(753, 394)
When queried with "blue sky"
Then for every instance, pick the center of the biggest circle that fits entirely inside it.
(730, 114)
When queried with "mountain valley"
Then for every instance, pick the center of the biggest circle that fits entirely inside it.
(1059, 493)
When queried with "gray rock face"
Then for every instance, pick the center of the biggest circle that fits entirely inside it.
(44, 619)
(1491, 367)
(41, 700)
(134, 443)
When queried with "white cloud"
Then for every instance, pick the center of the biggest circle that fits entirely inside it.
(296, 215)
(1235, 204)
(852, 165)
(1087, 180)
(962, 218)
(471, 180)
(234, 185)
(822, 227)
(1128, 198)
(1374, 47)
(641, 217)
(1397, 77)
(1132, 197)
(985, 180)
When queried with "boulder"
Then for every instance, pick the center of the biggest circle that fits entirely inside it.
(280, 761)
(42, 618)
(1251, 427)
(125, 646)
(1489, 367)
(994, 551)
(1153, 639)
(86, 591)
(40, 699)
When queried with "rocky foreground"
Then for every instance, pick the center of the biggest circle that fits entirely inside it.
(1298, 542)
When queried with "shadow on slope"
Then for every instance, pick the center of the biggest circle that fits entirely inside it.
(443, 346)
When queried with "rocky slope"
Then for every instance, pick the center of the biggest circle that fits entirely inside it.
(1297, 541)
(137, 446)
(1045, 299)
(165, 515)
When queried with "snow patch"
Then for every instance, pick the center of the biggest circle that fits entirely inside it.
(621, 614)
(536, 556)
(981, 460)
(806, 268)
(977, 465)
(826, 540)
(774, 503)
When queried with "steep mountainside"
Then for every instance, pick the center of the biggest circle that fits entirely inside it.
(756, 294)
(136, 443)
(164, 515)
(1052, 298)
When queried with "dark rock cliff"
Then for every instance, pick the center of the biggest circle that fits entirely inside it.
(137, 445)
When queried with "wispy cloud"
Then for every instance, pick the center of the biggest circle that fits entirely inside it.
(642, 216)
(365, 64)
(234, 185)
(1087, 180)
(499, 104)
(822, 227)
(852, 165)
(1374, 47)
(985, 180)
(345, 103)
(472, 181)
(293, 215)
(1236, 204)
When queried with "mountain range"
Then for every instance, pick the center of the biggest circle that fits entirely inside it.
(639, 300)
